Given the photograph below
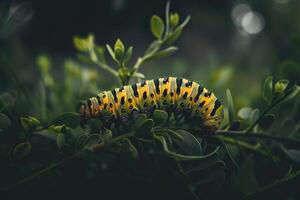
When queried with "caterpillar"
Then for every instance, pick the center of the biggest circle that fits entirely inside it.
(177, 95)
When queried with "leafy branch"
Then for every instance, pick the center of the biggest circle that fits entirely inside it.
(165, 33)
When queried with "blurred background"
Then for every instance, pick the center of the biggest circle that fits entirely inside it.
(227, 44)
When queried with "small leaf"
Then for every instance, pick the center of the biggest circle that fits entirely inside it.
(172, 37)
(231, 110)
(30, 123)
(83, 44)
(266, 121)
(119, 49)
(60, 140)
(139, 119)
(268, 89)
(111, 52)
(145, 128)
(189, 144)
(245, 112)
(4, 122)
(294, 91)
(293, 154)
(157, 26)
(163, 53)
(128, 55)
(174, 19)
(22, 150)
(281, 85)
(160, 116)
(185, 22)
(139, 75)
(56, 129)
(70, 119)
(254, 115)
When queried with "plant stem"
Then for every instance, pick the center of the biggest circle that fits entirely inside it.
(243, 144)
(266, 111)
(258, 135)
(107, 68)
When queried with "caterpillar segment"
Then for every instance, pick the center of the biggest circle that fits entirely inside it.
(172, 94)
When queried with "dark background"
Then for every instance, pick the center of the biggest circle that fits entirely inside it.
(211, 41)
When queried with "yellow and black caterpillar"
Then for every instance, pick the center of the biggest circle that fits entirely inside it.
(171, 94)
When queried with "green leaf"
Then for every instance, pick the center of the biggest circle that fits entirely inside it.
(185, 22)
(293, 154)
(30, 123)
(281, 85)
(70, 119)
(174, 19)
(268, 89)
(119, 50)
(128, 55)
(4, 122)
(145, 128)
(160, 116)
(254, 115)
(139, 75)
(56, 128)
(83, 44)
(189, 144)
(293, 92)
(139, 119)
(60, 140)
(266, 121)
(231, 110)
(22, 150)
(163, 142)
(157, 26)
(163, 53)
(172, 37)
(245, 112)
(111, 52)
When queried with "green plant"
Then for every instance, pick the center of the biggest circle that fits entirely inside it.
(162, 146)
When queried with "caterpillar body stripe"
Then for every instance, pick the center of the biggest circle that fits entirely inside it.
(172, 94)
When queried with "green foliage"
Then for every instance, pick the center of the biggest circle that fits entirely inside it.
(155, 146)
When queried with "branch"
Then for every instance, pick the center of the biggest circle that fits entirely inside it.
(258, 135)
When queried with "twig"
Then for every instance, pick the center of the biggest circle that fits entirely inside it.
(258, 135)
(244, 145)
